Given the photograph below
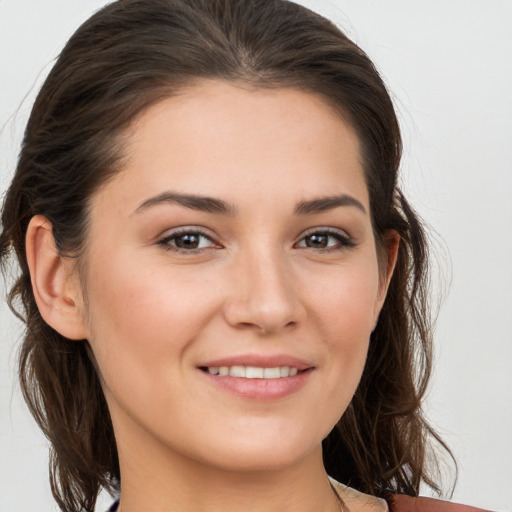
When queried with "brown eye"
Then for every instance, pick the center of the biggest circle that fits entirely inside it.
(317, 241)
(187, 241)
(327, 240)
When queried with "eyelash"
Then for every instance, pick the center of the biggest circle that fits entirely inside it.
(166, 241)
(344, 241)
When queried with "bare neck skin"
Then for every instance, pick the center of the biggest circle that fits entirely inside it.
(155, 480)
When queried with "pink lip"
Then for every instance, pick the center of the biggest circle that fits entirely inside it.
(259, 389)
(261, 361)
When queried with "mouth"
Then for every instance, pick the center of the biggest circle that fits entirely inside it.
(254, 372)
(258, 377)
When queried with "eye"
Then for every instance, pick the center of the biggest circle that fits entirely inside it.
(326, 239)
(187, 241)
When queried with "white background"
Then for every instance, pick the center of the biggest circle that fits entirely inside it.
(448, 64)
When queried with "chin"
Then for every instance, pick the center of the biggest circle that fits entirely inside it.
(271, 460)
(253, 452)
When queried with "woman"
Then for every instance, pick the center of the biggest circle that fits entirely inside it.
(224, 290)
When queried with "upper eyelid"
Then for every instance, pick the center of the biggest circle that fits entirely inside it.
(199, 230)
(320, 229)
(326, 230)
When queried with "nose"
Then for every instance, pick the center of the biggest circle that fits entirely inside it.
(263, 294)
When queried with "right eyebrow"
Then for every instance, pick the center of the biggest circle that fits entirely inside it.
(323, 204)
(192, 201)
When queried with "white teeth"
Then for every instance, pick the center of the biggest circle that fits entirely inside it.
(271, 373)
(284, 371)
(253, 372)
(237, 371)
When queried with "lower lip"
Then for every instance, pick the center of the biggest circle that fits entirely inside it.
(259, 389)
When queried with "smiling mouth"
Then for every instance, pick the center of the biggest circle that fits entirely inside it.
(253, 372)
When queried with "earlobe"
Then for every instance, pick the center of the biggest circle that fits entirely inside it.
(54, 283)
(391, 245)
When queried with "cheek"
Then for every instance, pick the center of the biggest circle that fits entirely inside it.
(345, 304)
(345, 312)
(141, 319)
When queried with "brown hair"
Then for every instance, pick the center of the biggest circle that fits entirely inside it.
(125, 58)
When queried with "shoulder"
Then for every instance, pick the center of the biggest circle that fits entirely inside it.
(360, 502)
(403, 503)
(356, 501)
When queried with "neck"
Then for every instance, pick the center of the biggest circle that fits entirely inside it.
(155, 479)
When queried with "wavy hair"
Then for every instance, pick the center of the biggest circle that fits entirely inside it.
(125, 58)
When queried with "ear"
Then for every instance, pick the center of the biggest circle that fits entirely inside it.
(387, 262)
(55, 284)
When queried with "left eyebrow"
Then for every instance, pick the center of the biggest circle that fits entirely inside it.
(192, 201)
(323, 204)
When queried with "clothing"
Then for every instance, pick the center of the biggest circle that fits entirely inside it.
(403, 503)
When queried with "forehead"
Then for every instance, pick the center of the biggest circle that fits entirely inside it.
(221, 139)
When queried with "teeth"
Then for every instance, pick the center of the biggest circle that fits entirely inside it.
(271, 373)
(253, 372)
(237, 371)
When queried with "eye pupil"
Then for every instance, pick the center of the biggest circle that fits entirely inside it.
(187, 241)
(317, 241)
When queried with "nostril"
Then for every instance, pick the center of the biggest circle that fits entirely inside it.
(265, 330)
(264, 313)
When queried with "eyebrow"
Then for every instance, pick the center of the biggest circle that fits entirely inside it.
(328, 203)
(220, 207)
(192, 201)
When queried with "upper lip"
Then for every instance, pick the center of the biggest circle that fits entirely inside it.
(260, 361)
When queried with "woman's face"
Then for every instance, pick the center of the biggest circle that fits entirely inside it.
(237, 240)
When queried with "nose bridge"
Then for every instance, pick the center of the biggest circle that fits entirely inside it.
(269, 278)
(265, 296)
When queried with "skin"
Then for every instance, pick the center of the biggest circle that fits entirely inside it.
(264, 280)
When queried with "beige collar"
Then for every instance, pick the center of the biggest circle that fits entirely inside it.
(357, 501)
